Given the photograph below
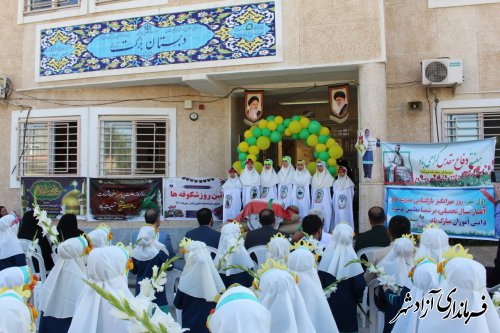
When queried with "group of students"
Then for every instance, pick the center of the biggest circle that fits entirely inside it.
(292, 186)
(300, 288)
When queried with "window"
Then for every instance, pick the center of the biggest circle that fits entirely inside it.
(135, 147)
(48, 148)
(473, 126)
(48, 5)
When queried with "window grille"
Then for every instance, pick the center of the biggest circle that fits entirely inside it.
(473, 126)
(48, 148)
(137, 147)
(48, 5)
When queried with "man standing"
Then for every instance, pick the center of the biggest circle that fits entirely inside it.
(204, 233)
(301, 194)
(263, 235)
(343, 194)
(268, 181)
(250, 180)
(152, 218)
(232, 196)
(377, 235)
(321, 185)
(285, 177)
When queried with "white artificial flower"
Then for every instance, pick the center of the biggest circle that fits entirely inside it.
(119, 314)
(146, 289)
(329, 291)
(139, 305)
(166, 320)
(386, 280)
(155, 271)
(496, 298)
(36, 211)
(42, 216)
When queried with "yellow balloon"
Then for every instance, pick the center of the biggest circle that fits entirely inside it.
(295, 127)
(253, 150)
(258, 166)
(324, 131)
(336, 152)
(287, 132)
(320, 147)
(272, 125)
(237, 166)
(304, 122)
(263, 143)
(311, 167)
(263, 124)
(278, 120)
(248, 134)
(312, 140)
(252, 157)
(332, 162)
(243, 147)
(330, 142)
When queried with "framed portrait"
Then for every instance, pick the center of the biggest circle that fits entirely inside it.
(254, 103)
(339, 102)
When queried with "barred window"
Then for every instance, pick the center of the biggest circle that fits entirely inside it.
(48, 5)
(135, 147)
(48, 148)
(473, 126)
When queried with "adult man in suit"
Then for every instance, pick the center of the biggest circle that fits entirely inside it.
(204, 233)
(378, 235)
(263, 235)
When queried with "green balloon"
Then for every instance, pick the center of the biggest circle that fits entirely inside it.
(242, 156)
(323, 138)
(295, 136)
(266, 132)
(332, 170)
(242, 163)
(314, 127)
(324, 156)
(238, 149)
(270, 118)
(252, 141)
(316, 154)
(275, 136)
(286, 122)
(297, 118)
(257, 132)
(281, 128)
(304, 134)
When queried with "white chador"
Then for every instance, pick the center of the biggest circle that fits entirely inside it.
(232, 196)
(321, 198)
(268, 182)
(250, 180)
(285, 177)
(301, 194)
(343, 194)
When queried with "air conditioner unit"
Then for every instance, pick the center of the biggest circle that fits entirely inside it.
(442, 72)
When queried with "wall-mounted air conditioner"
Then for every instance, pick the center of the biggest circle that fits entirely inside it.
(442, 72)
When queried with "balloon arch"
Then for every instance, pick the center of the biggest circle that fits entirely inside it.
(273, 129)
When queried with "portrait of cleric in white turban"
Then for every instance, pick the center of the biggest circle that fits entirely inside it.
(254, 100)
(339, 99)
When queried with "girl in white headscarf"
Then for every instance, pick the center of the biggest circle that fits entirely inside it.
(106, 267)
(332, 267)
(145, 256)
(280, 294)
(302, 262)
(59, 293)
(397, 264)
(15, 315)
(250, 180)
(199, 286)
(11, 252)
(468, 278)
(101, 236)
(239, 311)
(14, 277)
(286, 180)
(268, 182)
(321, 185)
(433, 243)
(231, 239)
(301, 194)
(343, 194)
(232, 196)
(424, 278)
(278, 248)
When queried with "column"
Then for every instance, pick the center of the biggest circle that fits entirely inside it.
(372, 115)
